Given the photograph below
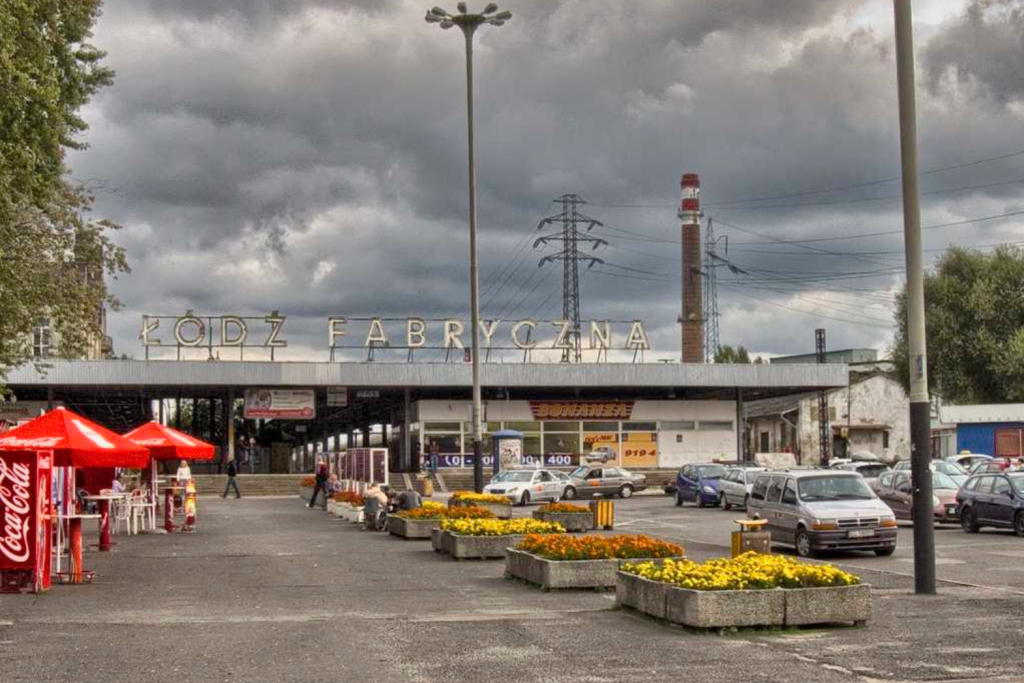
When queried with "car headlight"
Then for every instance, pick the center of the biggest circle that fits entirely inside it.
(935, 502)
(708, 489)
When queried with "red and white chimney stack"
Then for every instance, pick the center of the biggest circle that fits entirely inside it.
(692, 293)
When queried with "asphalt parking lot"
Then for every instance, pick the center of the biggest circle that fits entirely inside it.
(269, 590)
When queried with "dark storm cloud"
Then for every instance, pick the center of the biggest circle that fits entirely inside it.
(983, 47)
(318, 167)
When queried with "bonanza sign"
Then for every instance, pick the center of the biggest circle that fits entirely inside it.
(581, 410)
(24, 520)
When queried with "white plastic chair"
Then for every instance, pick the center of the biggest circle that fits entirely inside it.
(140, 510)
(122, 512)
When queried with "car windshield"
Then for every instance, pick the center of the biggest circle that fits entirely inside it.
(952, 469)
(833, 488)
(512, 476)
(942, 481)
(1017, 479)
(580, 472)
(710, 471)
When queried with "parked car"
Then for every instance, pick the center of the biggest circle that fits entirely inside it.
(991, 465)
(524, 486)
(816, 510)
(896, 491)
(869, 470)
(950, 469)
(698, 482)
(589, 480)
(734, 486)
(968, 460)
(995, 500)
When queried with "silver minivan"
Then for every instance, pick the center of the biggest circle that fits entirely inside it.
(816, 510)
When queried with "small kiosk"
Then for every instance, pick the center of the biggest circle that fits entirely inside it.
(507, 450)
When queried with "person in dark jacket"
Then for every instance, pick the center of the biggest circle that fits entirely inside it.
(232, 482)
(322, 474)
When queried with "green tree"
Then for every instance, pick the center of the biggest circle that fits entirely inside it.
(974, 319)
(53, 256)
(727, 354)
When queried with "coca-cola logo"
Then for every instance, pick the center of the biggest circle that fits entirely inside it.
(150, 442)
(38, 442)
(15, 498)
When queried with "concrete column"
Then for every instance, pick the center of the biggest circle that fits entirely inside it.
(740, 425)
(407, 465)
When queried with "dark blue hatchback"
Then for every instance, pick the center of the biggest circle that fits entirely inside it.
(992, 499)
(698, 482)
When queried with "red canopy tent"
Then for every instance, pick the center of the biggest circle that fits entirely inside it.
(165, 443)
(75, 442)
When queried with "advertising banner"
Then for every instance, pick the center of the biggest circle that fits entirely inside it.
(280, 404)
(25, 478)
(639, 449)
(510, 453)
(451, 460)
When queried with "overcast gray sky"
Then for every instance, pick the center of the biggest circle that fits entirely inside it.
(309, 156)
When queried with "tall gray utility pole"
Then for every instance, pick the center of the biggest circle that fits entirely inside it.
(469, 23)
(920, 406)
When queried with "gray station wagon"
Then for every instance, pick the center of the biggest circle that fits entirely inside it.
(816, 510)
(587, 481)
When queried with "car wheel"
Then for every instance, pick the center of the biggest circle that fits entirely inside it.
(968, 521)
(569, 493)
(884, 552)
(723, 500)
(626, 491)
(679, 499)
(746, 501)
(1018, 524)
(524, 500)
(803, 544)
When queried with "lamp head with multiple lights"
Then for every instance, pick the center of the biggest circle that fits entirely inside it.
(465, 20)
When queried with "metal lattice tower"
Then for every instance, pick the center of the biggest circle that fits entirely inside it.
(570, 239)
(824, 430)
(712, 262)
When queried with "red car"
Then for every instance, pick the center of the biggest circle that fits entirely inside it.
(999, 463)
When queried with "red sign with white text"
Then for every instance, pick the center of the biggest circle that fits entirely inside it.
(25, 478)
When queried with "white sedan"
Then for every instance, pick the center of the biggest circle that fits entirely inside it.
(524, 486)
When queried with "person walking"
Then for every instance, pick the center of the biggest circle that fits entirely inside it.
(322, 473)
(182, 479)
(232, 482)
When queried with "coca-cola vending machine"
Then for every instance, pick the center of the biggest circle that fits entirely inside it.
(25, 507)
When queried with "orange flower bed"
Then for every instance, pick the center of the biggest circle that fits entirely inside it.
(622, 547)
(308, 482)
(563, 507)
(350, 497)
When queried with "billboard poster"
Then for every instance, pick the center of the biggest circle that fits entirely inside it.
(639, 449)
(510, 453)
(280, 404)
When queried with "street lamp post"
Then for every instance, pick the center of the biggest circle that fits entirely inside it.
(469, 23)
(920, 406)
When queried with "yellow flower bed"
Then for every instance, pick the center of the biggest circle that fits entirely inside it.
(461, 497)
(748, 571)
(623, 546)
(500, 527)
(431, 510)
(563, 507)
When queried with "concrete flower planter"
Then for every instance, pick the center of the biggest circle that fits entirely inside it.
(550, 574)
(572, 521)
(306, 493)
(437, 540)
(339, 510)
(724, 609)
(351, 514)
(641, 594)
(478, 547)
(500, 510)
(839, 604)
(411, 528)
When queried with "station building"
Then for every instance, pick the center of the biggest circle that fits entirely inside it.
(652, 415)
